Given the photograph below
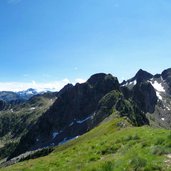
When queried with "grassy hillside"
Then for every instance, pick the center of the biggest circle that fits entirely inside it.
(113, 145)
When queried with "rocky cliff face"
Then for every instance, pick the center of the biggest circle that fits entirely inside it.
(152, 94)
(71, 115)
(144, 96)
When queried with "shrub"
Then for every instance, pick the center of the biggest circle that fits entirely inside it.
(159, 141)
(109, 150)
(94, 158)
(135, 137)
(127, 138)
(138, 162)
(108, 166)
(158, 150)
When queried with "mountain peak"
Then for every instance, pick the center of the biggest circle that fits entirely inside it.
(166, 73)
(65, 88)
(103, 80)
(96, 77)
(142, 75)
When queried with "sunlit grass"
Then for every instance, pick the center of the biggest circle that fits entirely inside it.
(108, 147)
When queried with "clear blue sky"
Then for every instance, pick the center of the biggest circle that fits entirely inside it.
(49, 40)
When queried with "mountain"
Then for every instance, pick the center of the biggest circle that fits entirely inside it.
(75, 110)
(27, 94)
(140, 76)
(10, 96)
(155, 102)
(17, 118)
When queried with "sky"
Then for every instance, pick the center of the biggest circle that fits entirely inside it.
(48, 43)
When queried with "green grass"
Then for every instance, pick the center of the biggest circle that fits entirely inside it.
(109, 147)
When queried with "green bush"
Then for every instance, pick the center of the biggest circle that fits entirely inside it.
(158, 150)
(135, 137)
(159, 141)
(127, 138)
(94, 158)
(108, 166)
(109, 150)
(138, 163)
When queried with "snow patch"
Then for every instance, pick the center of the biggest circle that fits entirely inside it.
(168, 108)
(158, 95)
(130, 83)
(162, 119)
(54, 134)
(158, 86)
(84, 120)
(30, 92)
(32, 108)
(72, 123)
(133, 82)
(65, 140)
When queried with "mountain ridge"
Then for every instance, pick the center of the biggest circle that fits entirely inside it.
(143, 100)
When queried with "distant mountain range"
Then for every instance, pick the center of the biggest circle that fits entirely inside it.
(144, 99)
(20, 96)
(10, 96)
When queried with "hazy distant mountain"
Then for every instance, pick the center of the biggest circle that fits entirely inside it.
(20, 96)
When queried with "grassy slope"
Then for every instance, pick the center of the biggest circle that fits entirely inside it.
(114, 145)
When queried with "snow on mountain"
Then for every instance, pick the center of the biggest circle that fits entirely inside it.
(162, 87)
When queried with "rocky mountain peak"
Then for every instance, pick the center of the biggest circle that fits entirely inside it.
(166, 74)
(96, 78)
(140, 76)
(143, 76)
(65, 88)
(101, 80)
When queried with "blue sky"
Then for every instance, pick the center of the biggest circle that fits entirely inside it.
(60, 41)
